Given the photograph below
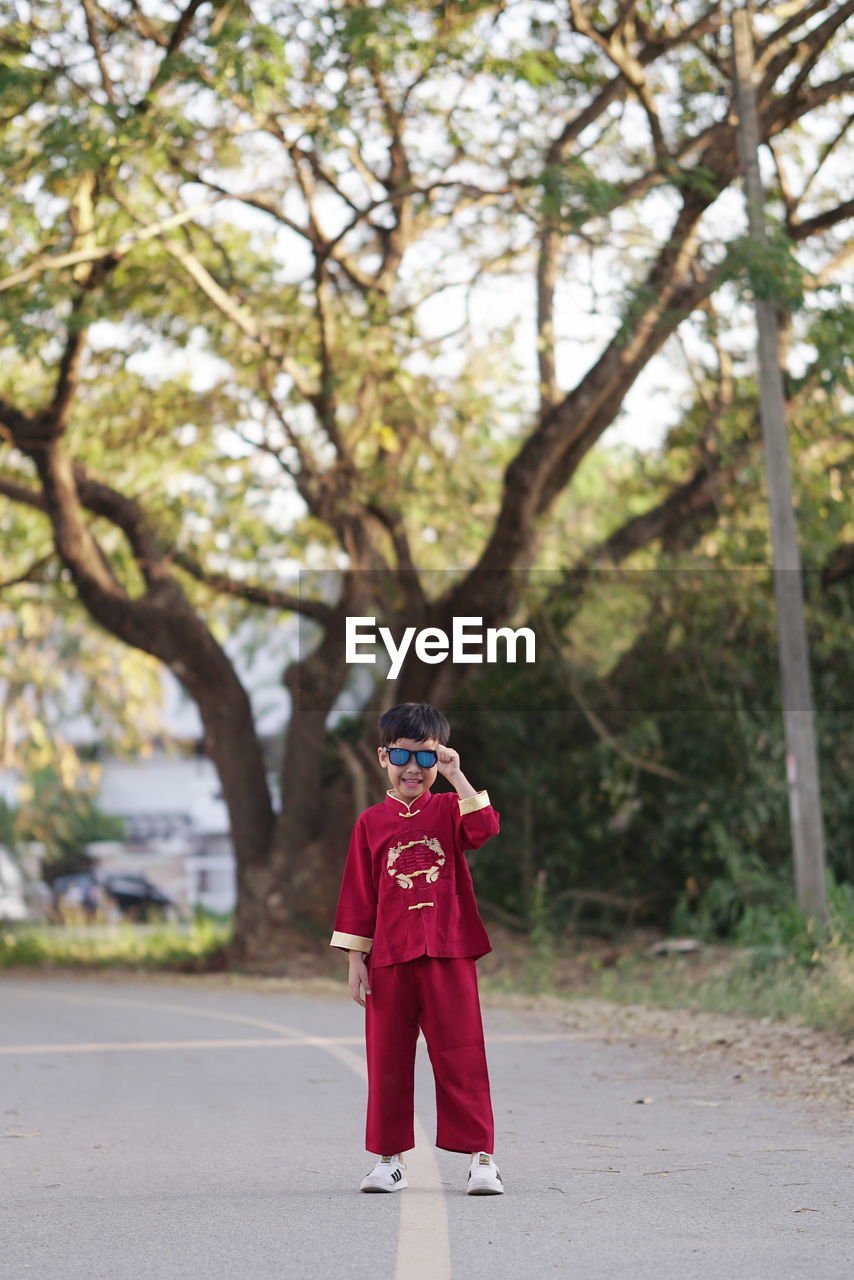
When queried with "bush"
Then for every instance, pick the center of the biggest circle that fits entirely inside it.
(196, 946)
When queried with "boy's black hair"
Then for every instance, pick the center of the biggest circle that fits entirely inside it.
(415, 720)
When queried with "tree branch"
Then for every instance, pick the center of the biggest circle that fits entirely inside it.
(233, 311)
(32, 574)
(146, 27)
(548, 259)
(270, 597)
(306, 478)
(179, 33)
(629, 67)
(695, 497)
(95, 42)
(770, 66)
(22, 494)
(617, 89)
(396, 183)
(825, 152)
(407, 573)
(56, 416)
(840, 564)
(565, 670)
(801, 229)
(264, 204)
(551, 453)
(123, 246)
(803, 12)
(127, 515)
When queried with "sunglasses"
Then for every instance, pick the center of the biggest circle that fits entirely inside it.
(399, 756)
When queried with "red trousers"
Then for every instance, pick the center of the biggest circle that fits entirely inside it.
(439, 997)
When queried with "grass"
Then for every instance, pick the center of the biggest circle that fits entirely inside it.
(815, 987)
(777, 964)
(196, 946)
(735, 981)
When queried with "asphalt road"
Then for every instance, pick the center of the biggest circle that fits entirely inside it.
(207, 1132)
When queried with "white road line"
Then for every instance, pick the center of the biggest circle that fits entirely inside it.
(423, 1248)
(135, 1046)
(294, 1041)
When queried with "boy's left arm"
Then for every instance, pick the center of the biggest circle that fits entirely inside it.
(477, 818)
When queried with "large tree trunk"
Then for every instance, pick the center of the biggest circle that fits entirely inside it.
(325, 788)
(295, 887)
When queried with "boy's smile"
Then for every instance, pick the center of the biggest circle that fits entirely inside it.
(410, 780)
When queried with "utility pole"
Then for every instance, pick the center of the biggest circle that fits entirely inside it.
(805, 811)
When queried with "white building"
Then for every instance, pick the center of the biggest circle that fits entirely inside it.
(176, 828)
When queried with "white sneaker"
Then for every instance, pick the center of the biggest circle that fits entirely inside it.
(484, 1178)
(389, 1174)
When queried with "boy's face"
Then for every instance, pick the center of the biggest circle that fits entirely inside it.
(409, 780)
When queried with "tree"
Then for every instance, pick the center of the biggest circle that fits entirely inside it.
(61, 815)
(302, 185)
(656, 777)
(56, 669)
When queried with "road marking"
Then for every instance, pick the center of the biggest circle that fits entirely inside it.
(423, 1249)
(294, 1041)
(134, 1046)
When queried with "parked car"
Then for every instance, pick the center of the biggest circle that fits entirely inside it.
(135, 896)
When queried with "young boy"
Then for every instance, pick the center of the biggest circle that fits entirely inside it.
(407, 916)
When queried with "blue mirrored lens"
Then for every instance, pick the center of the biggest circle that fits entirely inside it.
(399, 756)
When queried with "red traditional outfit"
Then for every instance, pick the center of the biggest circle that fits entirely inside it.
(407, 901)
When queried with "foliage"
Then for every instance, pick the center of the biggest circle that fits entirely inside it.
(820, 996)
(8, 834)
(56, 671)
(769, 268)
(64, 819)
(780, 965)
(642, 759)
(709, 830)
(195, 947)
(213, 415)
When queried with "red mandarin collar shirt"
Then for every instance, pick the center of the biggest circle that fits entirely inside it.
(407, 889)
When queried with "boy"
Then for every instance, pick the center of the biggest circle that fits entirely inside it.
(407, 916)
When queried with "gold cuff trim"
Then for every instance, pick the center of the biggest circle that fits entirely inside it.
(472, 803)
(351, 942)
(416, 906)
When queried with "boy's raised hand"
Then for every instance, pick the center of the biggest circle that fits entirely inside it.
(358, 977)
(448, 761)
(448, 764)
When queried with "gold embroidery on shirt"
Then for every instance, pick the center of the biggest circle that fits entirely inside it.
(406, 879)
